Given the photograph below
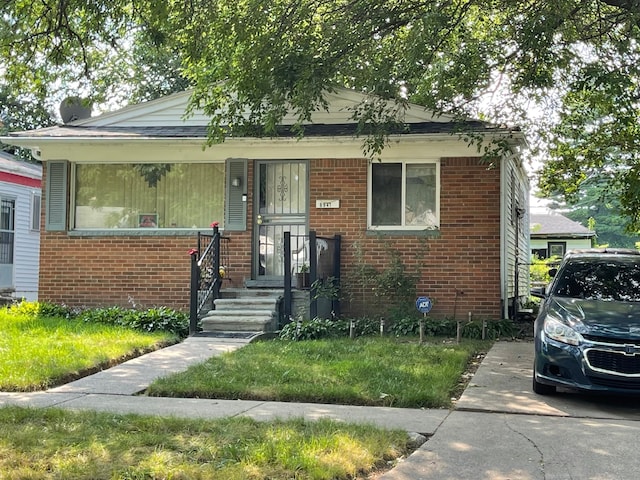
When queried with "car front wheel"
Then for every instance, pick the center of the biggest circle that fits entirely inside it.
(541, 388)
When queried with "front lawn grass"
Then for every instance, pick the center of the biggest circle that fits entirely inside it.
(364, 371)
(53, 443)
(40, 352)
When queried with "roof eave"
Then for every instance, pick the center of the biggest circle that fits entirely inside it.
(543, 236)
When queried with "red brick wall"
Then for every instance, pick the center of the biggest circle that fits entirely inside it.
(459, 268)
(140, 271)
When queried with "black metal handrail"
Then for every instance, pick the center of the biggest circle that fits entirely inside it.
(207, 272)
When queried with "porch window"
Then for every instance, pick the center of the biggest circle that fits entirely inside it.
(162, 195)
(404, 195)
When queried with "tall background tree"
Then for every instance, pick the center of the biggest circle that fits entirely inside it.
(21, 113)
(97, 50)
(597, 206)
(565, 70)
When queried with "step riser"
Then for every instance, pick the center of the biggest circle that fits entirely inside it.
(247, 325)
(229, 293)
(238, 304)
(244, 310)
(240, 313)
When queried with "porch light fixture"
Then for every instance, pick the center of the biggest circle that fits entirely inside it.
(236, 182)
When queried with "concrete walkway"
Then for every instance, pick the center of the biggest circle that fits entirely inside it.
(498, 430)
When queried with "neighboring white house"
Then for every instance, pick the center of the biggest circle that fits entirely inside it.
(554, 235)
(20, 196)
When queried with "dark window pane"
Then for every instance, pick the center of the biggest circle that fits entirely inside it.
(386, 193)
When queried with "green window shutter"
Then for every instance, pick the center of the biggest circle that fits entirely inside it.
(56, 214)
(235, 211)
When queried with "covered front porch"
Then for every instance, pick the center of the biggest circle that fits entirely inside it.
(308, 286)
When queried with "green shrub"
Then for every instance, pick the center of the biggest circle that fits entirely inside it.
(494, 329)
(391, 290)
(319, 328)
(539, 269)
(150, 320)
(410, 325)
(45, 309)
(310, 330)
(361, 327)
(394, 288)
(28, 309)
(449, 328)
(404, 326)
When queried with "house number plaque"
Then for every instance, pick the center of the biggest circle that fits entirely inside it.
(327, 203)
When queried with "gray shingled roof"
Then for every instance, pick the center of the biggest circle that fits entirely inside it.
(12, 164)
(556, 225)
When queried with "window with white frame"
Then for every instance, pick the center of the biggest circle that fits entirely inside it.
(36, 202)
(404, 195)
(7, 231)
(160, 195)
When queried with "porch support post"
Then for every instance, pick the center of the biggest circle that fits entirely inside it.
(313, 274)
(337, 245)
(193, 301)
(287, 277)
(216, 262)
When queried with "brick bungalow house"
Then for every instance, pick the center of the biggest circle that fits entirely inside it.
(126, 193)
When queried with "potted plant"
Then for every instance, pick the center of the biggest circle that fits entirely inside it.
(302, 277)
(325, 292)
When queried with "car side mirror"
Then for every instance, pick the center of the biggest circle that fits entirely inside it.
(539, 292)
(552, 272)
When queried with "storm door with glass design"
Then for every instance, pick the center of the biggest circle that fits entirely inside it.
(281, 206)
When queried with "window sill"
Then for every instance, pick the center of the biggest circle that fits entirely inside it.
(427, 232)
(139, 232)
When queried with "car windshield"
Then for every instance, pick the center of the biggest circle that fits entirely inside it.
(606, 279)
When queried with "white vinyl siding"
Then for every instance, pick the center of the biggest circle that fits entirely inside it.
(22, 274)
(515, 237)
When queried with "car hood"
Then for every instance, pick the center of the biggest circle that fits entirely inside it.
(598, 317)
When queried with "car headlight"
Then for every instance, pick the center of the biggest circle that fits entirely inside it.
(562, 333)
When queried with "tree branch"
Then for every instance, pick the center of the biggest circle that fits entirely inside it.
(629, 5)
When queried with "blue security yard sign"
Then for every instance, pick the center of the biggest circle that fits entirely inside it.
(423, 304)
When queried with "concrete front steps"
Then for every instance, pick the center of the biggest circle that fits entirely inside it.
(244, 310)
